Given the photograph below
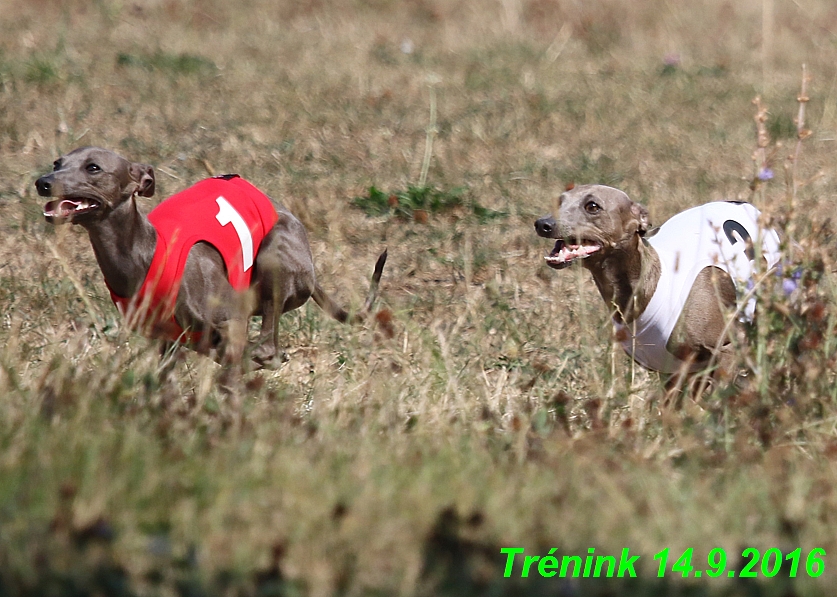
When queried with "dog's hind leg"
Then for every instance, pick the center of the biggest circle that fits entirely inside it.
(279, 294)
(266, 354)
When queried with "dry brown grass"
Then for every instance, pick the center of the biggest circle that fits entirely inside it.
(493, 395)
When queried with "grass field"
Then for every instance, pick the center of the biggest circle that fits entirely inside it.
(486, 405)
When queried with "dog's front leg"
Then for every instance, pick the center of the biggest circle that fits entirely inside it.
(230, 356)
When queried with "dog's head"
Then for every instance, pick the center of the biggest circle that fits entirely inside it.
(90, 182)
(593, 221)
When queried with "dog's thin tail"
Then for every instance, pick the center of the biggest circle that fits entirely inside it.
(328, 305)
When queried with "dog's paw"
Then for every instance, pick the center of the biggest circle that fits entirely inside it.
(273, 361)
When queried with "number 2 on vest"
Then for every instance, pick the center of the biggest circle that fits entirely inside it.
(730, 227)
(227, 214)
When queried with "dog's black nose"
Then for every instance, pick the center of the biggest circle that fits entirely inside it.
(545, 226)
(44, 186)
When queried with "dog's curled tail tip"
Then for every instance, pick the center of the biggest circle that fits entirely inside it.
(340, 314)
(373, 287)
(379, 266)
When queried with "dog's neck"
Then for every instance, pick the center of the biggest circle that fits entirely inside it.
(627, 278)
(124, 244)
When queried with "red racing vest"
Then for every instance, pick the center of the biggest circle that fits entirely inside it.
(225, 211)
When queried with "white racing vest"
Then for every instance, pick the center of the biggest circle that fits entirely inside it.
(723, 234)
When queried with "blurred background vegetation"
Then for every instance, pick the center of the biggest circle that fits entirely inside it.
(485, 405)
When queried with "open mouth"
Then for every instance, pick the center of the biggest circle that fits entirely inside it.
(564, 253)
(67, 207)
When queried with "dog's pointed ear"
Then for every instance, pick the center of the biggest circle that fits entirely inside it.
(143, 175)
(640, 214)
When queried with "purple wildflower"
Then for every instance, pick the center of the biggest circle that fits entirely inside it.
(788, 286)
(765, 174)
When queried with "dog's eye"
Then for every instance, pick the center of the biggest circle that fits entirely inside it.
(93, 168)
(591, 207)
(56, 164)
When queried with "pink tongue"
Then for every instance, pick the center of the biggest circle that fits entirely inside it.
(68, 205)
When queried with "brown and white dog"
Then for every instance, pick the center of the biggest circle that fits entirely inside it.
(672, 289)
(202, 284)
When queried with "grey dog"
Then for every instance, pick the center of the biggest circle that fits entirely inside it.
(672, 289)
(97, 189)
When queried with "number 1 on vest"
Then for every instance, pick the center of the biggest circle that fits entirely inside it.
(227, 214)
